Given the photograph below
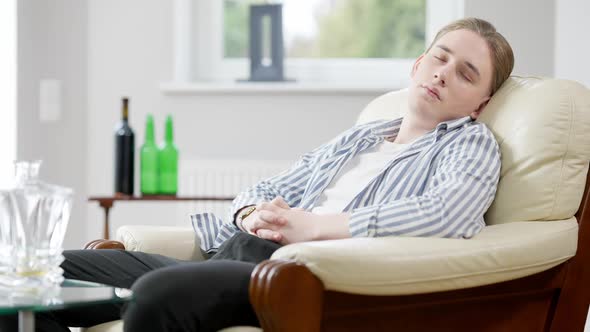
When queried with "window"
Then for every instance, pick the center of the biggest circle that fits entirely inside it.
(357, 42)
(7, 90)
(336, 28)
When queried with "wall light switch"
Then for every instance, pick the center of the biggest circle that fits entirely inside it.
(50, 96)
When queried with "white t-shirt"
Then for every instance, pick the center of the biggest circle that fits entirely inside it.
(355, 175)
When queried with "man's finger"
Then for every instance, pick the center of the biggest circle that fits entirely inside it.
(271, 217)
(280, 202)
(267, 234)
(266, 206)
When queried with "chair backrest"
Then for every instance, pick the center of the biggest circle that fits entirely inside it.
(543, 129)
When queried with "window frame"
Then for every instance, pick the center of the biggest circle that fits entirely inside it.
(200, 54)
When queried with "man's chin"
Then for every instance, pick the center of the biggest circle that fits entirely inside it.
(419, 105)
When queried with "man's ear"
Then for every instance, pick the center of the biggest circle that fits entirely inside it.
(475, 114)
(416, 64)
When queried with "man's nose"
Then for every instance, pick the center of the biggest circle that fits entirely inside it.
(439, 78)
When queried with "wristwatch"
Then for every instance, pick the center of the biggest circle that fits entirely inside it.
(248, 211)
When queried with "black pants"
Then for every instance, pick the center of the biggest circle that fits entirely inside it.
(169, 294)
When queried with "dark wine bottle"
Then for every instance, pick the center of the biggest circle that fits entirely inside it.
(124, 153)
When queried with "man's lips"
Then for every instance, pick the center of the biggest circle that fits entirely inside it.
(432, 91)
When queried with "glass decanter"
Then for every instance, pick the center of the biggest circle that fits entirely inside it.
(33, 220)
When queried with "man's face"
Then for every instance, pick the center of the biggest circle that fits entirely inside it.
(453, 79)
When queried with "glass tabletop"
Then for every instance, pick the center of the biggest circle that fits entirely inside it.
(71, 293)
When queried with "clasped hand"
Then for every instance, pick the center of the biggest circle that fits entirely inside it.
(278, 222)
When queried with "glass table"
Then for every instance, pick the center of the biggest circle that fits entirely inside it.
(71, 294)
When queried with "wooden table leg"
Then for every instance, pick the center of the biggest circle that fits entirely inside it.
(106, 223)
(106, 205)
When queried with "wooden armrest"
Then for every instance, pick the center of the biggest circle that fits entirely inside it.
(104, 244)
(306, 295)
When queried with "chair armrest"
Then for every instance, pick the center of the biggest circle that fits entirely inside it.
(411, 265)
(177, 242)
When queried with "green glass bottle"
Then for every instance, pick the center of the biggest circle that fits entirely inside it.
(168, 162)
(149, 156)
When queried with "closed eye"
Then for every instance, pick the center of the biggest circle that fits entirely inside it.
(465, 77)
(440, 59)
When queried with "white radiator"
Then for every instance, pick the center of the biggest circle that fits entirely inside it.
(220, 178)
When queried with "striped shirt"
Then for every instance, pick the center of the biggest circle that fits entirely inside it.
(355, 175)
(439, 186)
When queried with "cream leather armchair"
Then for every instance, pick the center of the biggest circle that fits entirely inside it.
(528, 270)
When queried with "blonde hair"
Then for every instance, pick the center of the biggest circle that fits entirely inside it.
(501, 52)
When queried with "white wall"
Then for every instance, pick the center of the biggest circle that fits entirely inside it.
(529, 27)
(8, 89)
(572, 46)
(52, 44)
